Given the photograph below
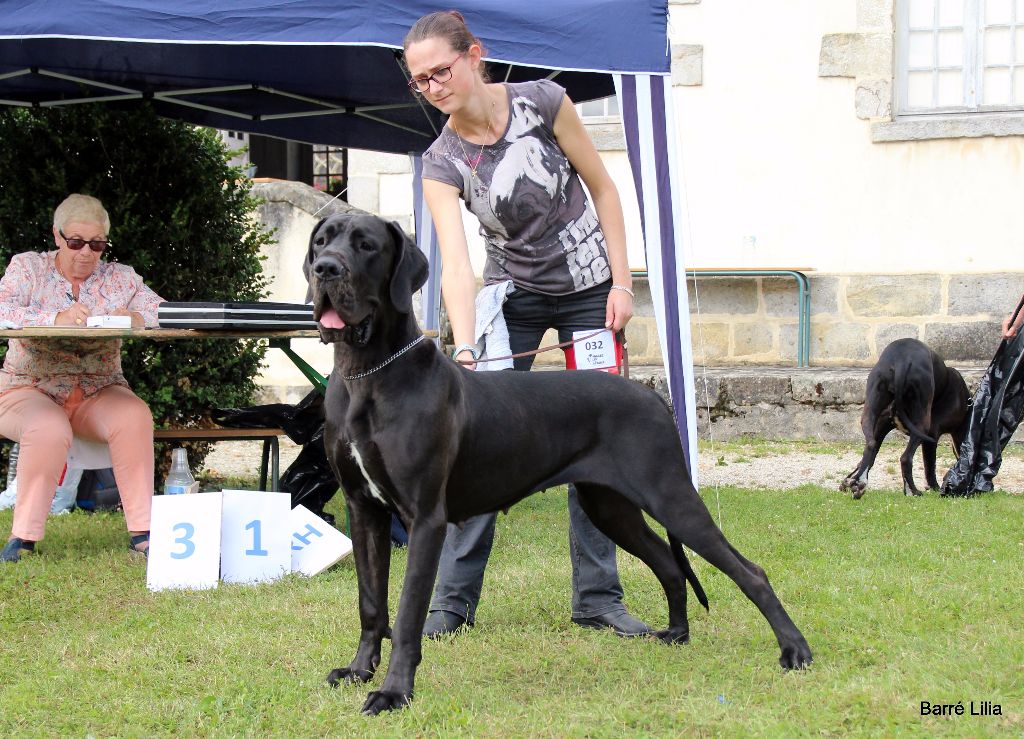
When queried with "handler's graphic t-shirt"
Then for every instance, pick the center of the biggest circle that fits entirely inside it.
(538, 226)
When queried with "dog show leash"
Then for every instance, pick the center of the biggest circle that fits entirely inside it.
(621, 335)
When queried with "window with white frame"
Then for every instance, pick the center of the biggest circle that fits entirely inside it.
(605, 110)
(960, 56)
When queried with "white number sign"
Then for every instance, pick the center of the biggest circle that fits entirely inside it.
(184, 541)
(594, 351)
(316, 545)
(254, 544)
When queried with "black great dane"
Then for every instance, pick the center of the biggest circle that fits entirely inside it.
(912, 389)
(410, 431)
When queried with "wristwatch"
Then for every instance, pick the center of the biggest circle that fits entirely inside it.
(466, 348)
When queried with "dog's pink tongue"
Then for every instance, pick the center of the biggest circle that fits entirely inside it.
(331, 319)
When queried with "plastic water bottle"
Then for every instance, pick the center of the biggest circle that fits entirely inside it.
(179, 478)
(12, 463)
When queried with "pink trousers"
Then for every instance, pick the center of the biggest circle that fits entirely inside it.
(44, 429)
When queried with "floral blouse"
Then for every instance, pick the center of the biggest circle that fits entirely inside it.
(32, 292)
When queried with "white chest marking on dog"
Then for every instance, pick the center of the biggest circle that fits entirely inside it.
(374, 490)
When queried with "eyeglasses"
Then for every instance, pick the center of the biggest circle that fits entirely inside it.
(97, 245)
(422, 84)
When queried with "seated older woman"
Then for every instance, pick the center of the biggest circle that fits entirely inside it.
(53, 389)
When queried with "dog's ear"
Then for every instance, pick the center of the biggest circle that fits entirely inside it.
(410, 271)
(307, 263)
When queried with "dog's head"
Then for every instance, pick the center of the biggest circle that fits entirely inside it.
(360, 270)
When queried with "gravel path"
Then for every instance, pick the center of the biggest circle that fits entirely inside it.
(741, 468)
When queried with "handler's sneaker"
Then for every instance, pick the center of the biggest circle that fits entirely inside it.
(443, 623)
(618, 621)
(14, 548)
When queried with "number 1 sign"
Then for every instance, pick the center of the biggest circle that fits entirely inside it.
(255, 540)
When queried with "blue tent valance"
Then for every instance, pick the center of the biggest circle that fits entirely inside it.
(316, 71)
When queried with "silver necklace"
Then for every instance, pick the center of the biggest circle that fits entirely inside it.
(474, 163)
(387, 361)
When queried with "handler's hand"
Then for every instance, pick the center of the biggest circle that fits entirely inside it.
(137, 320)
(1009, 331)
(467, 357)
(73, 316)
(619, 310)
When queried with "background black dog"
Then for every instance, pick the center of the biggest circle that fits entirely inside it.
(913, 390)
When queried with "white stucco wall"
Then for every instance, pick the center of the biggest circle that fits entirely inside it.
(781, 172)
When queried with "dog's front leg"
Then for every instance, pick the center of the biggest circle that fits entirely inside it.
(371, 546)
(426, 536)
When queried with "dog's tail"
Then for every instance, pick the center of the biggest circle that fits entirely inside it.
(684, 564)
(910, 426)
(900, 389)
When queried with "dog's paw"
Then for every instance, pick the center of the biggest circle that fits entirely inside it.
(796, 656)
(348, 676)
(673, 635)
(855, 485)
(385, 700)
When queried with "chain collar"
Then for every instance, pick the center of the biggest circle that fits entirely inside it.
(387, 361)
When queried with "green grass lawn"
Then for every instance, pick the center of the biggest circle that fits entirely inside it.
(902, 601)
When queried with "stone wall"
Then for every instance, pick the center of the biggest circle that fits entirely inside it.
(753, 321)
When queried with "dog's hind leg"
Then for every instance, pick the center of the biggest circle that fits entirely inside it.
(928, 450)
(907, 465)
(371, 547)
(623, 523)
(875, 428)
(685, 517)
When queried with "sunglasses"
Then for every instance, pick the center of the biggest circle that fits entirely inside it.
(97, 245)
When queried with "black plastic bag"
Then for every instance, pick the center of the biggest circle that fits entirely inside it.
(997, 409)
(309, 479)
(300, 422)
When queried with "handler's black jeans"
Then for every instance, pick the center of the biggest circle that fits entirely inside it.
(596, 589)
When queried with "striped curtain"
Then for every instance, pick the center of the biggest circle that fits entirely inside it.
(648, 120)
(426, 239)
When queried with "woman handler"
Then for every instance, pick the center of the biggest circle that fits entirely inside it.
(516, 154)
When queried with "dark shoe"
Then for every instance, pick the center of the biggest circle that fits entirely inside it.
(136, 541)
(15, 548)
(443, 623)
(618, 621)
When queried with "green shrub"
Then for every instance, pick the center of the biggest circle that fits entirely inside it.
(179, 215)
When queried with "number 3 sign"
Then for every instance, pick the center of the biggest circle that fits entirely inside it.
(184, 541)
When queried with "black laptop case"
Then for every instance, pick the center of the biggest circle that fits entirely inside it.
(236, 315)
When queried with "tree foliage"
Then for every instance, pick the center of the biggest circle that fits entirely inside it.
(180, 216)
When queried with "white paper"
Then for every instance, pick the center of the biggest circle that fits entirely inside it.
(108, 322)
(184, 541)
(255, 536)
(596, 352)
(315, 544)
